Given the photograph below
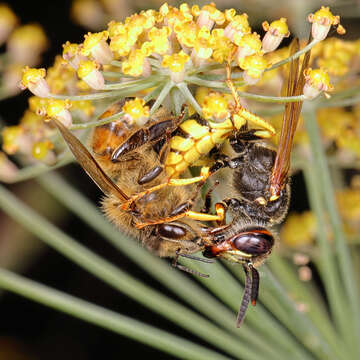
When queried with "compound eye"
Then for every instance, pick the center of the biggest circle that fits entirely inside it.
(171, 231)
(253, 243)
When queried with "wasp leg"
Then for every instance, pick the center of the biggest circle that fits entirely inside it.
(267, 130)
(190, 214)
(204, 174)
(186, 269)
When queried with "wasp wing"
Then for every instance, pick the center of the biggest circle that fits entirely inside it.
(89, 164)
(295, 86)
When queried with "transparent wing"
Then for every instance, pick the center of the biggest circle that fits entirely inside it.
(295, 86)
(89, 164)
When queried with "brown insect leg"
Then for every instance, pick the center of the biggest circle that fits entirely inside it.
(184, 268)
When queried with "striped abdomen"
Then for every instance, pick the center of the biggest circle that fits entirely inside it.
(194, 141)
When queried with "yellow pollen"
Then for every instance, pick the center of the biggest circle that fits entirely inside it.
(136, 109)
(32, 75)
(175, 62)
(254, 65)
(86, 67)
(92, 40)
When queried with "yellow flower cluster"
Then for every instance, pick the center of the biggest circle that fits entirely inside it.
(24, 46)
(185, 36)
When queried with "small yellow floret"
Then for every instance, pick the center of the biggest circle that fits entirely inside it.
(250, 41)
(134, 66)
(215, 105)
(86, 67)
(70, 49)
(175, 62)
(32, 76)
(55, 107)
(213, 13)
(136, 109)
(279, 27)
(222, 46)
(10, 137)
(41, 149)
(159, 39)
(318, 78)
(92, 40)
(36, 103)
(254, 65)
(325, 17)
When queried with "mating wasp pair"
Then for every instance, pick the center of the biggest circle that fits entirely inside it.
(138, 170)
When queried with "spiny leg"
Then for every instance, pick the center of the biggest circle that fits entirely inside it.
(204, 174)
(186, 269)
(266, 130)
(184, 210)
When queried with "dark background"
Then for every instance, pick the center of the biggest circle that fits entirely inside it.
(32, 331)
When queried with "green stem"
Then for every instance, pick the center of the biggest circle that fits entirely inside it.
(326, 264)
(130, 90)
(328, 196)
(163, 94)
(97, 122)
(119, 279)
(259, 319)
(294, 56)
(104, 318)
(306, 294)
(189, 97)
(273, 295)
(32, 171)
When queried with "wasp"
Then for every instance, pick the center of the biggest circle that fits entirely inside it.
(260, 193)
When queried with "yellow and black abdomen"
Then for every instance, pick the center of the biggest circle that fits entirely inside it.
(193, 141)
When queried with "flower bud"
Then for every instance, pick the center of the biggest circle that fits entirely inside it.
(136, 112)
(321, 22)
(275, 32)
(254, 67)
(89, 72)
(317, 81)
(42, 151)
(96, 46)
(33, 79)
(58, 109)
